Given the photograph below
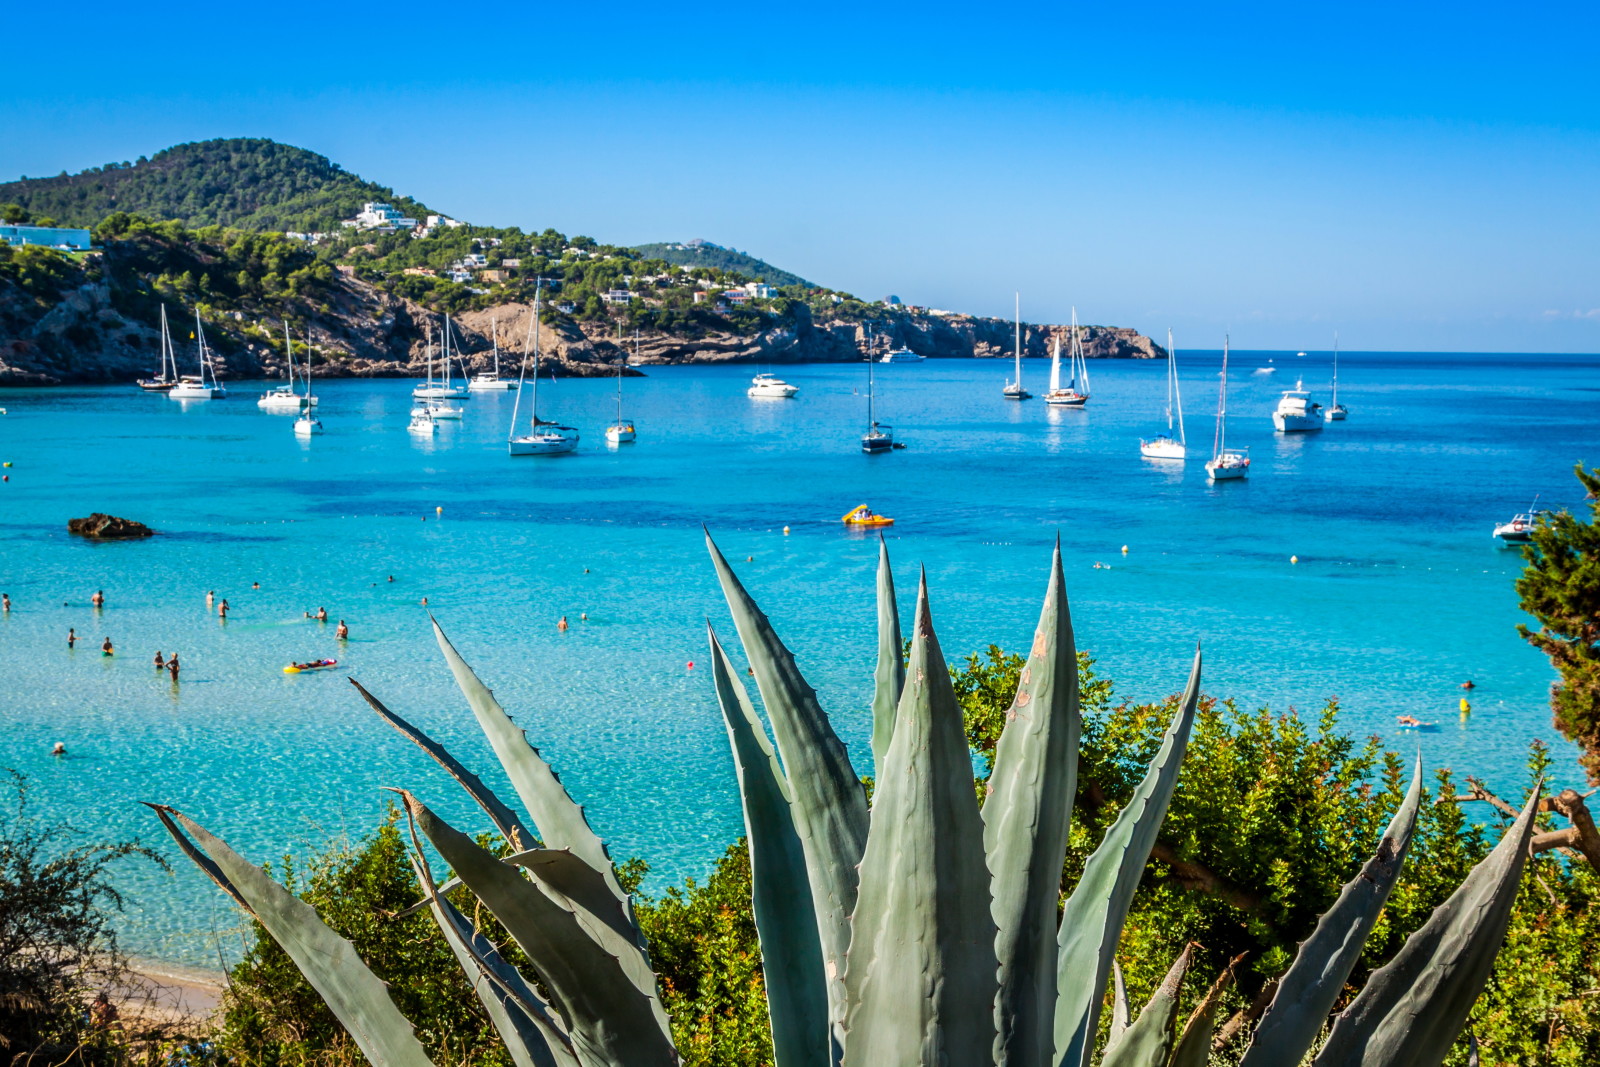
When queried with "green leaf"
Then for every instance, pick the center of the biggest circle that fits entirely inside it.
(890, 676)
(1091, 923)
(921, 977)
(1309, 989)
(1412, 1008)
(1120, 1014)
(505, 820)
(1026, 818)
(827, 799)
(532, 1036)
(353, 993)
(1148, 1041)
(611, 1022)
(559, 820)
(791, 953)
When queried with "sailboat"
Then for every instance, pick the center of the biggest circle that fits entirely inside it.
(1076, 394)
(163, 381)
(1336, 412)
(194, 386)
(308, 423)
(491, 382)
(1014, 390)
(622, 431)
(1162, 446)
(543, 438)
(878, 438)
(432, 390)
(284, 398)
(1225, 464)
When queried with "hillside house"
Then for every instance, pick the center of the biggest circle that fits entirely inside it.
(736, 296)
(423, 272)
(493, 274)
(381, 217)
(618, 296)
(67, 239)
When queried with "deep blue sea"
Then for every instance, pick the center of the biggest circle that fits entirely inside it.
(1399, 593)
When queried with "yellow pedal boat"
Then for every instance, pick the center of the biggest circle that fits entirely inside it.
(862, 515)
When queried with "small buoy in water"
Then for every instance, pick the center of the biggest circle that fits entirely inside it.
(5, 477)
(8, 463)
(1466, 709)
(691, 665)
(1124, 550)
(1294, 559)
(439, 510)
(786, 531)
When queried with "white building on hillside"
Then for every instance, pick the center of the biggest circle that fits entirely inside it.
(382, 217)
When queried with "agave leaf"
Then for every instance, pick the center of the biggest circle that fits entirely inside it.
(890, 676)
(791, 953)
(558, 818)
(505, 820)
(532, 1037)
(1308, 990)
(921, 977)
(611, 1022)
(1414, 1006)
(828, 802)
(1148, 1041)
(1025, 821)
(353, 993)
(1194, 1044)
(1120, 1014)
(1091, 923)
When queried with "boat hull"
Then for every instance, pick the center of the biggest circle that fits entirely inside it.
(1229, 473)
(765, 392)
(1296, 423)
(541, 445)
(1017, 394)
(874, 445)
(440, 392)
(307, 427)
(1162, 448)
(494, 386)
(279, 402)
(1336, 413)
(1066, 399)
(180, 393)
(620, 435)
(155, 385)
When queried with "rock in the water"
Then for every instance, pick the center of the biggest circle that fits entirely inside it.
(108, 527)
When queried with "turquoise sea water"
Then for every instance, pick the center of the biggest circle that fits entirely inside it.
(1399, 593)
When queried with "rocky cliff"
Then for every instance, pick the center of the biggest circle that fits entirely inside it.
(101, 327)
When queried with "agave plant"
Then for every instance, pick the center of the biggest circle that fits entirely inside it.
(924, 928)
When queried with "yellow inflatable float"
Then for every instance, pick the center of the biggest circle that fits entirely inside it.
(861, 515)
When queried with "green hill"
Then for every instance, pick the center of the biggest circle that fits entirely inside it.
(706, 254)
(248, 183)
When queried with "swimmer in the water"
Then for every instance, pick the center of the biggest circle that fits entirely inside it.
(172, 666)
(99, 598)
(222, 608)
(342, 632)
(160, 663)
(60, 749)
(5, 601)
(322, 614)
(72, 637)
(106, 649)
(562, 625)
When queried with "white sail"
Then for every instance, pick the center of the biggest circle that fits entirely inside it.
(1055, 367)
(1174, 397)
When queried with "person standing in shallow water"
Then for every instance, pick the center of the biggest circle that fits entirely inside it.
(172, 666)
(72, 637)
(5, 603)
(222, 609)
(106, 649)
(99, 599)
(343, 632)
(160, 663)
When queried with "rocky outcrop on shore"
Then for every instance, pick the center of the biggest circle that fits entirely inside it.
(365, 332)
(108, 528)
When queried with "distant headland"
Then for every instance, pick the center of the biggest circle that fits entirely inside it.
(251, 232)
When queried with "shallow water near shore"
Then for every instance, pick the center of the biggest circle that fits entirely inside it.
(1398, 596)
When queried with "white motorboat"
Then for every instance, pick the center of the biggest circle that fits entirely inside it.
(1519, 531)
(1297, 412)
(1165, 446)
(1076, 394)
(623, 431)
(1336, 412)
(169, 358)
(433, 390)
(543, 438)
(491, 382)
(422, 424)
(878, 438)
(307, 424)
(770, 386)
(197, 386)
(901, 355)
(1226, 464)
(1014, 389)
(284, 398)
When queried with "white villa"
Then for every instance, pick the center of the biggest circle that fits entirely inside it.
(382, 217)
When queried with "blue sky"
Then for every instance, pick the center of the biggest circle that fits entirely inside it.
(1418, 177)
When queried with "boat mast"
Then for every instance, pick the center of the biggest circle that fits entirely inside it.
(1018, 343)
(533, 396)
(200, 344)
(1335, 368)
(522, 374)
(494, 333)
(870, 380)
(288, 353)
(1222, 406)
(444, 353)
(166, 348)
(306, 407)
(1055, 367)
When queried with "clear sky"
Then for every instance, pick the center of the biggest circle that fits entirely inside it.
(1414, 176)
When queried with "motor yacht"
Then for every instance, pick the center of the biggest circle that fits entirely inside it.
(1297, 412)
(771, 386)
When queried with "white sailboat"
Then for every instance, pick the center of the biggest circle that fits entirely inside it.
(878, 438)
(283, 398)
(1014, 389)
(422, 424)
(308, 424)
(432, 390)
(543, 438)
(1336, 411)
(1163, 446)
(1225, 464)
(491, 382)
(163, 381)
(196, 386)
(623, 431)
(1076, 394)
